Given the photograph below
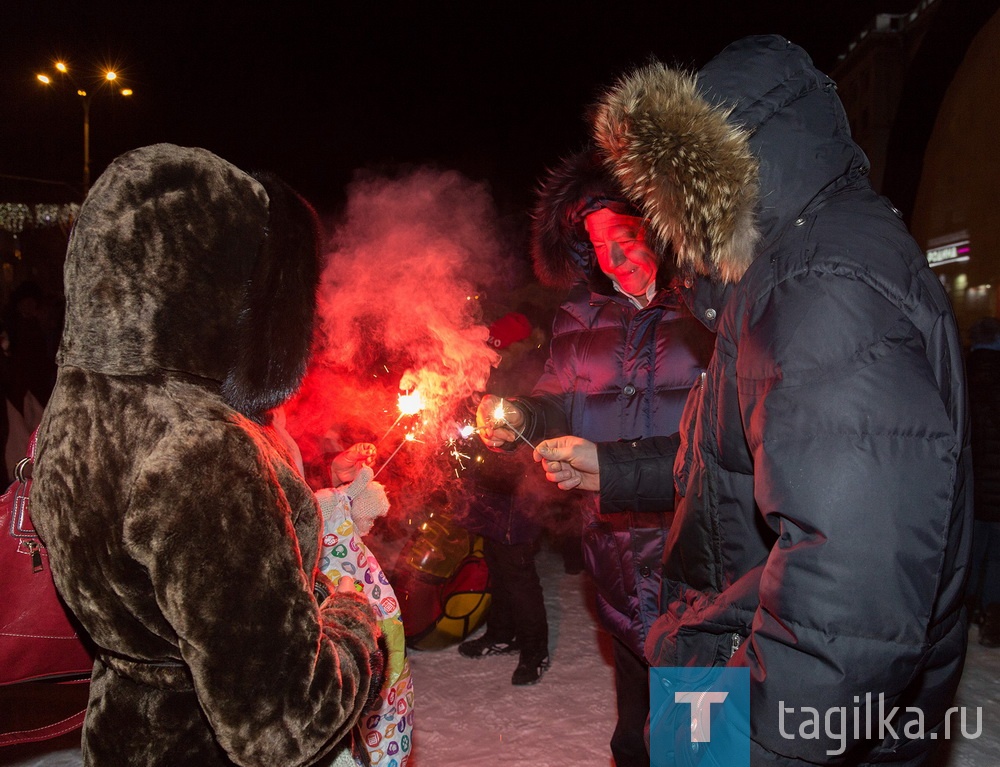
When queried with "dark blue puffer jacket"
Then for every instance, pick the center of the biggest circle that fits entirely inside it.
(824, 517)
(617, 372)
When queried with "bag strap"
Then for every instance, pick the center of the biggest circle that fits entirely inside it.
(23, 468)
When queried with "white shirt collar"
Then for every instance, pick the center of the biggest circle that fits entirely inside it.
(650, 292)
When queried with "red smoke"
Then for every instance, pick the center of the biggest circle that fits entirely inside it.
(399, 309)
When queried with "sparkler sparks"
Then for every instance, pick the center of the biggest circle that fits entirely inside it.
(459, 456)
(454, 447)
(500, 417)
(408, 438)
(409, 404)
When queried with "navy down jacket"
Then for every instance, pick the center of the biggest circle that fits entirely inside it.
(822, 530)
(617, 372)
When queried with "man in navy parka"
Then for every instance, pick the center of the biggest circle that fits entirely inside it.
(823, 521)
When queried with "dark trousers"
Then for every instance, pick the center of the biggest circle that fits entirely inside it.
(628, 743)
(517, 608)
(984, 580)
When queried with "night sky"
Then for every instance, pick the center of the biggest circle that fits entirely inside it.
(317, 90)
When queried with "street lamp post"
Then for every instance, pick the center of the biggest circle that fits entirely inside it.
(86, 144)
(109, 77)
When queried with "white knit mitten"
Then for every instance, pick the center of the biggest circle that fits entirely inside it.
(334, 504)
(368, 500)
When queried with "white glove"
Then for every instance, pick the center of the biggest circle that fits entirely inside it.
(334, 504)
(367, 499)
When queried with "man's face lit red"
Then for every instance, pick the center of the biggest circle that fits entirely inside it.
(622, 252)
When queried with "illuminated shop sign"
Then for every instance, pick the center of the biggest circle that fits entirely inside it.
(949, 254)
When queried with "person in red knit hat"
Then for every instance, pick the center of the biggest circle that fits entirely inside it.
(509, 329)
(503, 512)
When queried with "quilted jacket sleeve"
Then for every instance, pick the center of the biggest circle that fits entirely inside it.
(280, 679)
(637, 475)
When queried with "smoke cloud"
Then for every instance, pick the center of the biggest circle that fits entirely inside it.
(409, 266)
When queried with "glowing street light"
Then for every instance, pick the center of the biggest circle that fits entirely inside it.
(109, 77)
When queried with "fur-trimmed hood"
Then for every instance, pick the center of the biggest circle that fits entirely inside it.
(181, 262)
(560, 247)
(708, 156)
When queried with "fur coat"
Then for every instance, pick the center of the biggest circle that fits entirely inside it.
(178, 530)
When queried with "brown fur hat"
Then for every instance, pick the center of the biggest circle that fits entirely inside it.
(691, 171)
(560, 247)
(182, 263)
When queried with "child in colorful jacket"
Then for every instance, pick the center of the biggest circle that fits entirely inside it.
(349, 511)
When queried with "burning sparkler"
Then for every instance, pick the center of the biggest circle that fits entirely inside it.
(408, 438)
(409, 404)
(500, 417)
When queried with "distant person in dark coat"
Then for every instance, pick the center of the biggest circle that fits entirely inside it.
(32, 349)
(983, 366)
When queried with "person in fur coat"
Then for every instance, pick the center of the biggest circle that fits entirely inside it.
(179, 532)
(823, 522)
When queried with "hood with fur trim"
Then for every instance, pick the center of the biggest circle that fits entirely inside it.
(180, 262)
(723, 160)
(560, 247)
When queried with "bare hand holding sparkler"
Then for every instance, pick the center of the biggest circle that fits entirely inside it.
(499, 422)
(570, 462)
(347, 464)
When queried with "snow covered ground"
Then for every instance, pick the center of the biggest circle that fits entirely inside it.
(468, 713)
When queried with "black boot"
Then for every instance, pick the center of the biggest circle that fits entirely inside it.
(989, 631)
(530, 667)
(487, 645)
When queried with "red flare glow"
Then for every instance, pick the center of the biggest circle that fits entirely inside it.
(399, 346)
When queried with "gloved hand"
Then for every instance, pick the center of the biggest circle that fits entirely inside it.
(368, 500)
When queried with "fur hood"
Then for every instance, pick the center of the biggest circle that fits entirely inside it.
(699, 152)
(560, 248)
(180, 262)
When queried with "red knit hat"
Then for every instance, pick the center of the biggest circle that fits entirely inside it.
(509, 329)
